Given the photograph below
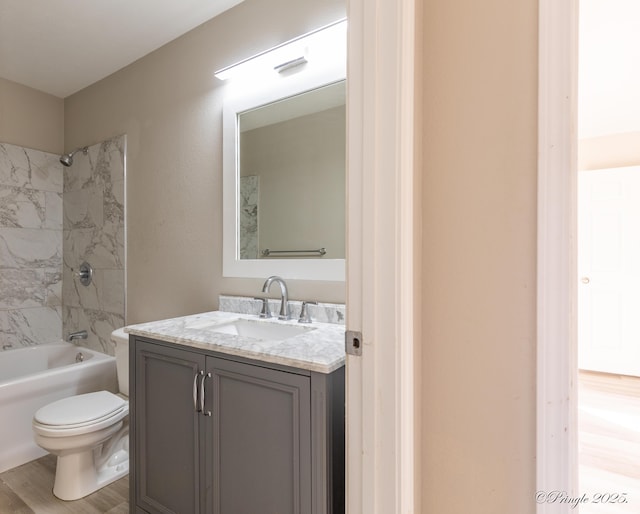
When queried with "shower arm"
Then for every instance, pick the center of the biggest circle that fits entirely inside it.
(67, 159)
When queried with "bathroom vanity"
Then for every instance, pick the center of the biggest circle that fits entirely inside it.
(231, 414)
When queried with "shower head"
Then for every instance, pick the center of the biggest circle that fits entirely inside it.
(67, 159)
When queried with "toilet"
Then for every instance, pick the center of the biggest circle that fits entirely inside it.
(89, 433)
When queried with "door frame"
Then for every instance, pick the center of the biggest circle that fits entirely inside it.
(557, 463)
(381, 31)
(381, 250)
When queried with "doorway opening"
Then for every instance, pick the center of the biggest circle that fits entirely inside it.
(608, 285)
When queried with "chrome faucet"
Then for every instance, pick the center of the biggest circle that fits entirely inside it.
(80, 334)
(284, 295)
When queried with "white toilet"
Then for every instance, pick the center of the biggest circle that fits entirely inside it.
(89, 433)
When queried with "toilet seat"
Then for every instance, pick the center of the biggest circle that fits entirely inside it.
(80, 414)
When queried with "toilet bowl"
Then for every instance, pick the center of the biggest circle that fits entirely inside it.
(89, 433)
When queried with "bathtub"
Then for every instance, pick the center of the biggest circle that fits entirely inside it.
(34, 376)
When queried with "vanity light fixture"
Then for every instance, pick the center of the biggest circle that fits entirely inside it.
(264, 64)
(281, 68)
(314, 48)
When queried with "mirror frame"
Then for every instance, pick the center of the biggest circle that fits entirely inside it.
(243, 100)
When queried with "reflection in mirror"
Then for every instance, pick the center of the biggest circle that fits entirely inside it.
(291, 157)
(284, 162)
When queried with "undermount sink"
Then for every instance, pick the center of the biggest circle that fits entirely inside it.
(254, 329)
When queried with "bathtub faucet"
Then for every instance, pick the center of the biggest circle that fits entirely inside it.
(81, 334)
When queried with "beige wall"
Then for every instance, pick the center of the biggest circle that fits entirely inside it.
(31, 118)
(170, 106)
(479, 149)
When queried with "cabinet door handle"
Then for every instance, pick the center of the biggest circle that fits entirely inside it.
(195, 390)
(204, 412)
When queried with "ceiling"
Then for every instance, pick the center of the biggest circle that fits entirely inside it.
(62, 46)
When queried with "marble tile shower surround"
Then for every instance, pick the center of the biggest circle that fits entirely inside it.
(31, 246)
(94, 232)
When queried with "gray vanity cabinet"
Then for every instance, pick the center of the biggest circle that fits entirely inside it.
(269, 439)
(260, 439)
(165, 430)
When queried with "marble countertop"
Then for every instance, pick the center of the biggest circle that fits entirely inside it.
(319, 348)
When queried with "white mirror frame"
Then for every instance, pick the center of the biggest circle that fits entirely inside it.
(306, 79)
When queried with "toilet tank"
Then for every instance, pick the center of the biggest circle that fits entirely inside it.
(121, 339)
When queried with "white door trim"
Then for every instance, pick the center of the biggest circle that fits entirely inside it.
(557, 253)
(380, 256)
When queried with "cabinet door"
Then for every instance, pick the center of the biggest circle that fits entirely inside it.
(258, 441)
(167, 435)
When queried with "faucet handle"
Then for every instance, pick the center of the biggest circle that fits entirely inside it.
(305, 317)
(264, 311)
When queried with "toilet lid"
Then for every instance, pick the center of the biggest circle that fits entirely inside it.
(80, 409)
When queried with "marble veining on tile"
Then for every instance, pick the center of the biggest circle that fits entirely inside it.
(30, 246)
(25, 327)
(30, 169)
(25, 288)
(319, 348)
(84, 208)
(98, 323)
(94, 232)
(51, 220)
(29, 208)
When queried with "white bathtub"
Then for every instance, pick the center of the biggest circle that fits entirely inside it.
(33, 376)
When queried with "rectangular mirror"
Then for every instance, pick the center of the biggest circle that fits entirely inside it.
(284, 180)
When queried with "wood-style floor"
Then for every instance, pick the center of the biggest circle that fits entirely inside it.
(609, 442)
(27, 489)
